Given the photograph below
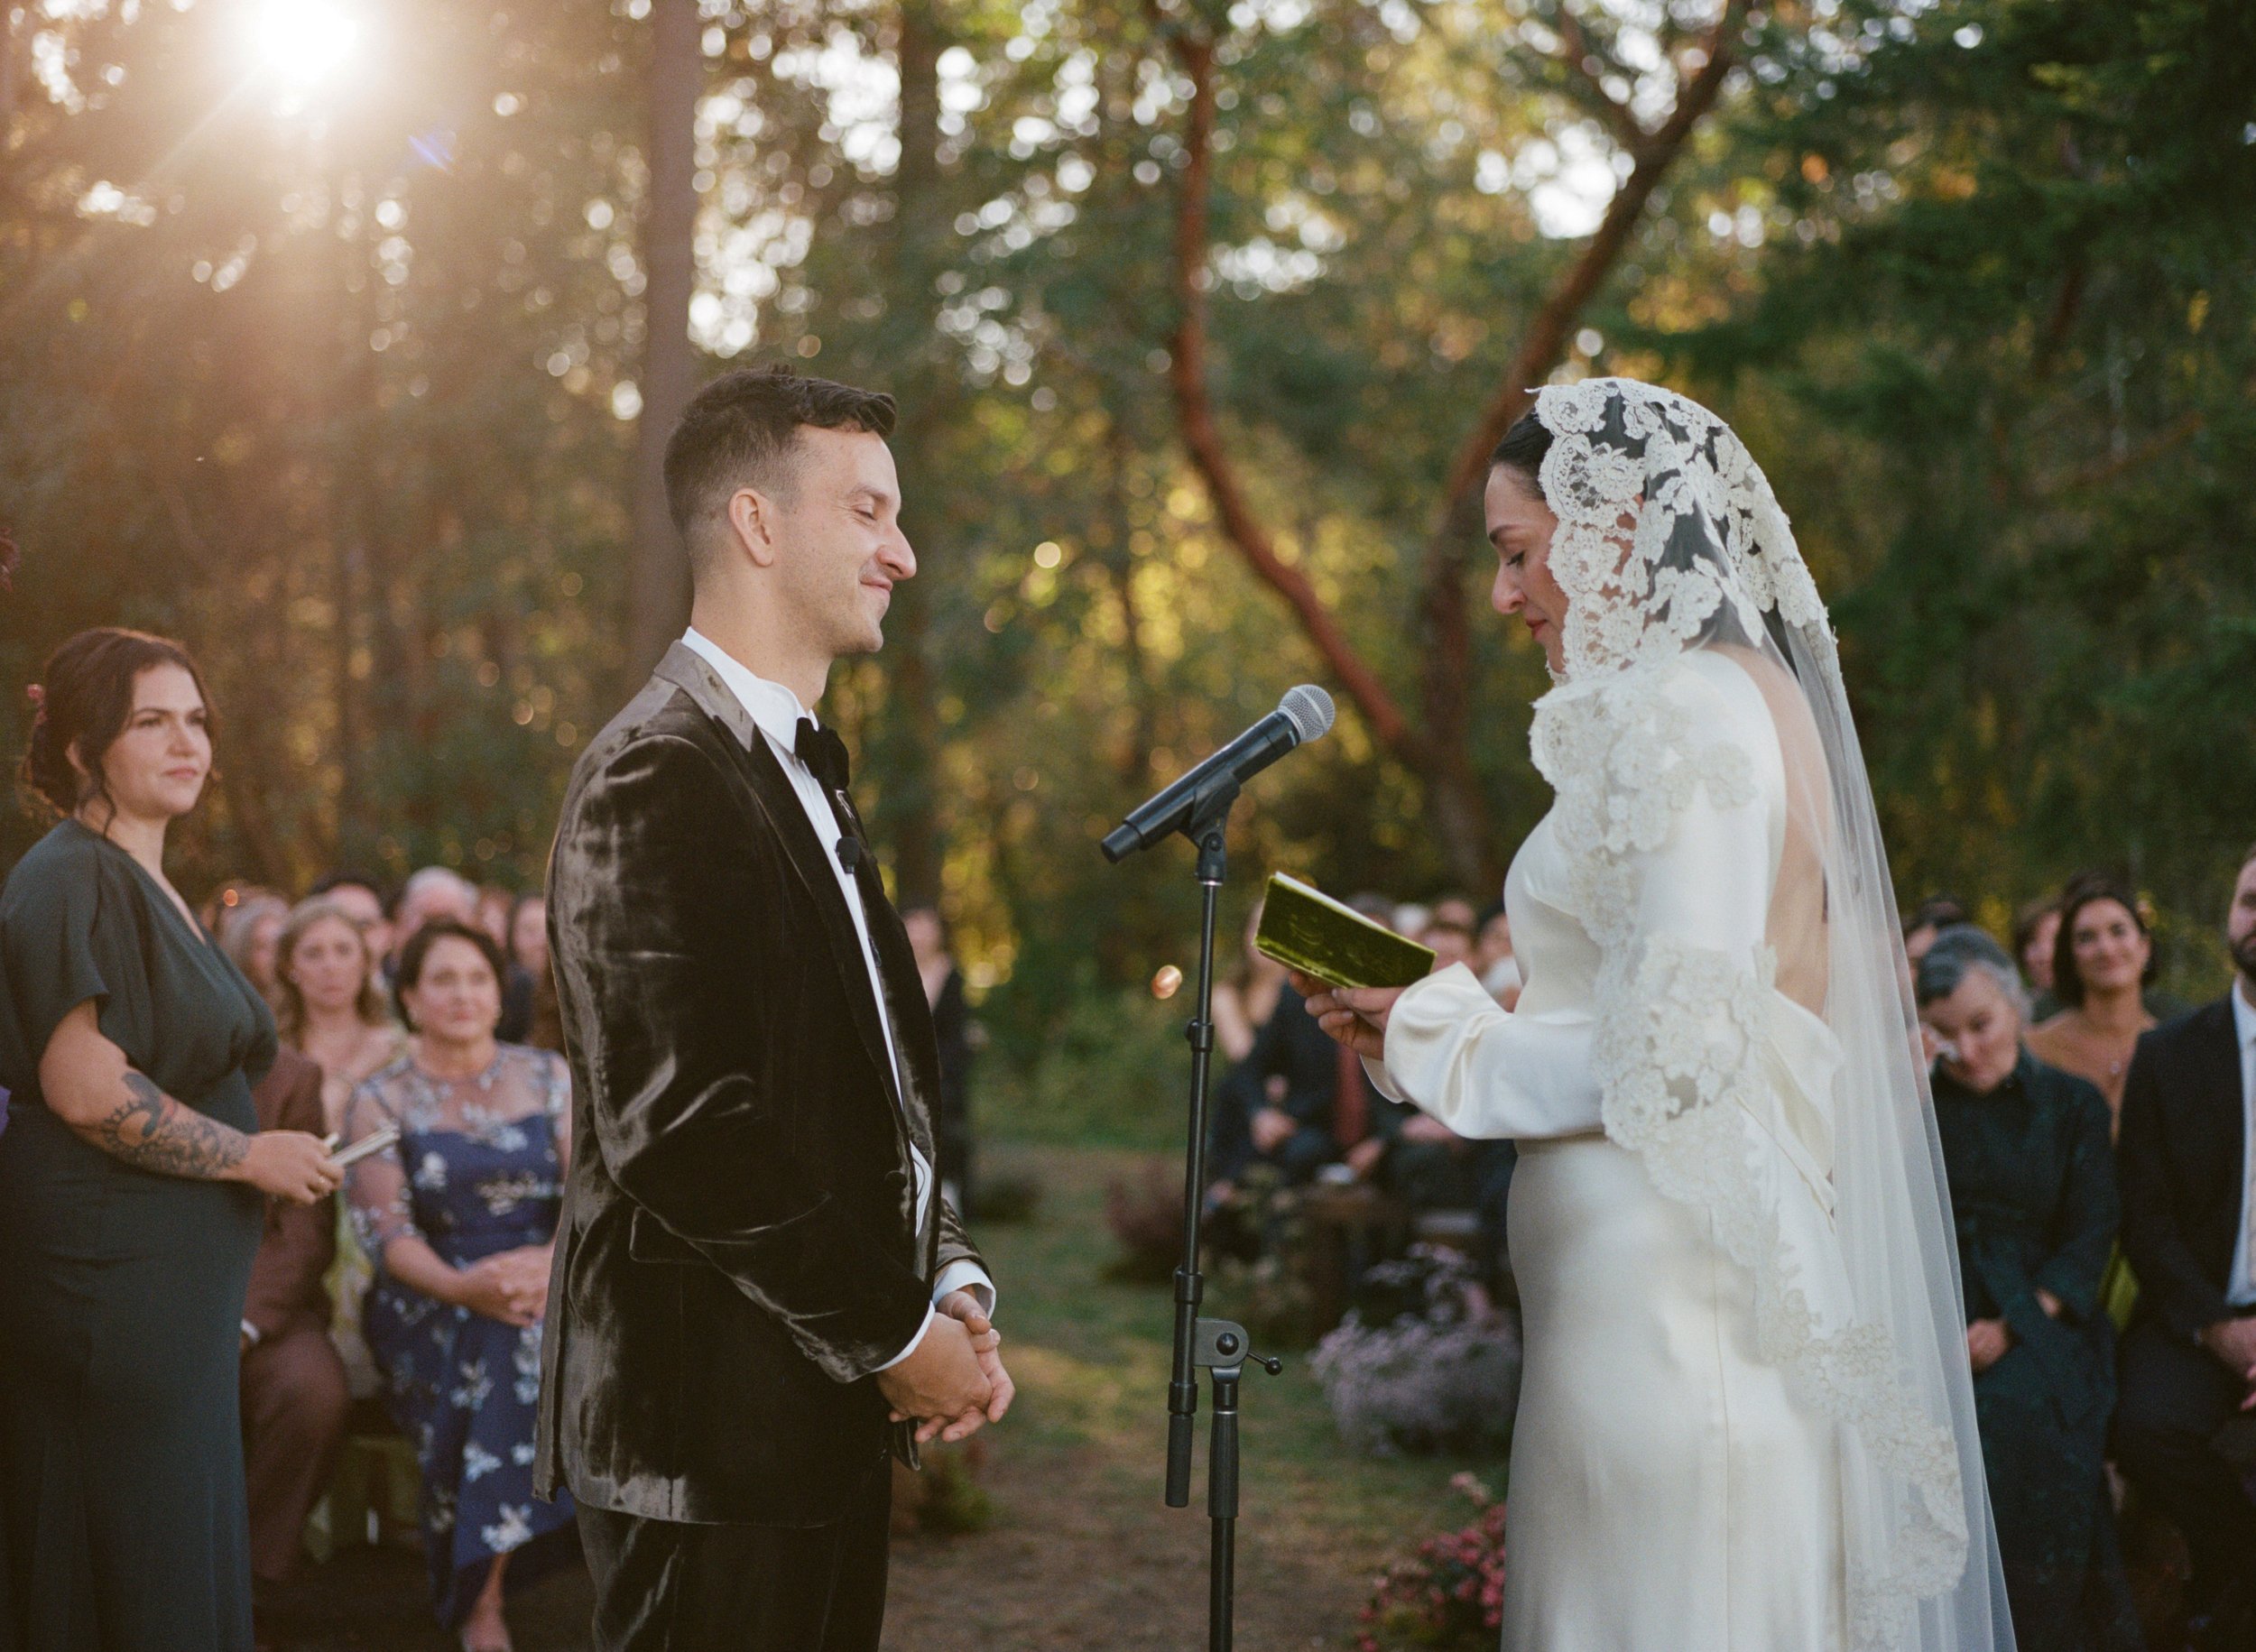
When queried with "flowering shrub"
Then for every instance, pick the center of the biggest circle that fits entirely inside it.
(1436, 1376)
(1452, 1595)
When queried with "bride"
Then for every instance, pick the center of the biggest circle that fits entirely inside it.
(1746, 1423)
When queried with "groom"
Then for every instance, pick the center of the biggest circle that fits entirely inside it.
(759, 1293)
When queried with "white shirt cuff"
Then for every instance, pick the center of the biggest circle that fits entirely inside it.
(965, 1276)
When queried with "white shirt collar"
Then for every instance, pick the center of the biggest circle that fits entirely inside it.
(2243, 1013)
(772, 706)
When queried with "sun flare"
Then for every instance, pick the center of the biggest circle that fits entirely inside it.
(304, 39)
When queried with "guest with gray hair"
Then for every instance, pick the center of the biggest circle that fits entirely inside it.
(2032, 1190)
(433, 892)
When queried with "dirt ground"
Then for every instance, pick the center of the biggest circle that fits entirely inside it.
(1070, 1562)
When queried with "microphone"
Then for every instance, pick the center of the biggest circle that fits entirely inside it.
(1305, 714)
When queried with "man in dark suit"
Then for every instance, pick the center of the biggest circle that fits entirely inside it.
(294, 1394)
(2188, 1359)
(759, 1291)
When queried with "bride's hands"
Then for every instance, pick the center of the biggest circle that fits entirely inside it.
(1354, 1015)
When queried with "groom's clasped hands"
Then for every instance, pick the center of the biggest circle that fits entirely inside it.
(955, 1382)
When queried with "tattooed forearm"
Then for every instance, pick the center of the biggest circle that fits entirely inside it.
(152, 1131)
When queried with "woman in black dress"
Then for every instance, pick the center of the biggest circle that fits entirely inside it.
(2032, 1190)
(131, 1179)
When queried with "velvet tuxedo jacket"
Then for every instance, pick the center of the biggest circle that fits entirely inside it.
(739, 1251)
(2180, 1161)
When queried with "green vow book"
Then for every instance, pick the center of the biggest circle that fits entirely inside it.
(1304, 928)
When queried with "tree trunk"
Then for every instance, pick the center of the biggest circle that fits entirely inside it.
(1119, 565)
(910, 733)
(658, 580)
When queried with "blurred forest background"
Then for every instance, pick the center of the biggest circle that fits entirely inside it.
(336, 340)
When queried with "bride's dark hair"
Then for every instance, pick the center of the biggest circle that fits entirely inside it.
(1523, 447)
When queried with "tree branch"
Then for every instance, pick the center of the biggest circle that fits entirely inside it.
(1187, 378)
(2175, 434)
(1575, 55)
(1544, 342)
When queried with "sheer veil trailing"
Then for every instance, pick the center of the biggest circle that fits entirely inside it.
(1669, 540)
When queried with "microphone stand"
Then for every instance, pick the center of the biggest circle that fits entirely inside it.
(1220, 1347)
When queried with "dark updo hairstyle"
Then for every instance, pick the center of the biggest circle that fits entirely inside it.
(418, 949)
(84, 699)
(1523, 448)
(2068, 984)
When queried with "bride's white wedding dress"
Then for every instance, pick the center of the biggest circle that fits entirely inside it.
(1746, 1422)
(1668, 1490)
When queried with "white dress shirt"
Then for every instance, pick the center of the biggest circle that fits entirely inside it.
(2242, 1291)
(775, 710)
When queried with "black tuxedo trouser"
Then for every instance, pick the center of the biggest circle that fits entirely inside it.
(664, 1586)
(2172, 1397)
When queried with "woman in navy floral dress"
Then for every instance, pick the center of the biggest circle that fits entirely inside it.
(460, 1215)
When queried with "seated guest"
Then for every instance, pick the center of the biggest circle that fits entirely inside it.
(2032, 1189)
(329, 1009)
(2036, 926)
(943, 985)
(1280, 1105)
(363, 902)
(496, 906)
(1934, 915)
(327, 1004)
(2103, 958)
(460, 1217)
(1245, 996)
(2189, 1357)
(1492, 959)
(438, 893)
(1457, 912)
(1450, 943)
(294, 1396)
(528, 951)
(249, 932)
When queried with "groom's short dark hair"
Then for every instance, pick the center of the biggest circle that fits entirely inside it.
(741, 430)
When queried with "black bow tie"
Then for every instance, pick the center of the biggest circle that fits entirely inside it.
(825, 755)
(823, 752)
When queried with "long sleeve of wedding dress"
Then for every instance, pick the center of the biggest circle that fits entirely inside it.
(1484, 1070)
(1528, 1073)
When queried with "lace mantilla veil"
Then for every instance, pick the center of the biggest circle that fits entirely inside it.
(1669, 540)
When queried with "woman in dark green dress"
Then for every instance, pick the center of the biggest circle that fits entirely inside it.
(130, 1181)
(2032, 1188)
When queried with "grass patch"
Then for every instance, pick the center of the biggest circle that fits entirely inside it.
(1090, 1355)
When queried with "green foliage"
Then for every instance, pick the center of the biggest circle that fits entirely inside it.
(1112, 1069)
